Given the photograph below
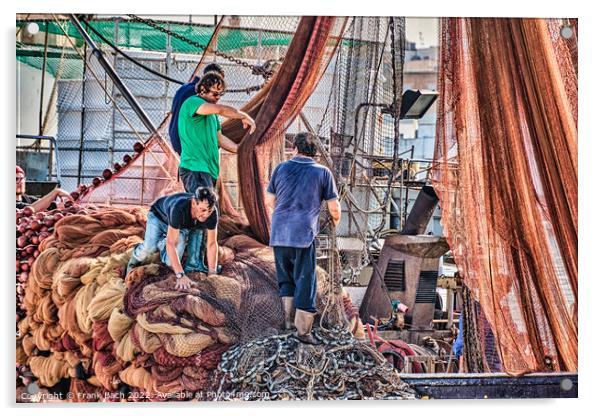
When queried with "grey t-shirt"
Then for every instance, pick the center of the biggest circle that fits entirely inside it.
(300, 186)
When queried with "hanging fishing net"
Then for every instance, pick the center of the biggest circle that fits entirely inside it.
(506, 174)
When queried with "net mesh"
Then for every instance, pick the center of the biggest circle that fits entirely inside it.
(315, 41)
(83, 311)
(506, 173)
(359, 138)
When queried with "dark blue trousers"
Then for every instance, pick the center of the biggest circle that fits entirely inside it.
(296, 272)
(192, 180)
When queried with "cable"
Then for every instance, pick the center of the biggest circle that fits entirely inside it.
(255, 69)
(129, 58)
(248, 90)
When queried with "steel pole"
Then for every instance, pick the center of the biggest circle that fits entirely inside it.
(123, 89)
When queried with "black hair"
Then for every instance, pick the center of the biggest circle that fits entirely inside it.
(206, 194)
(305, 144)
(214, 68)
(209, 80)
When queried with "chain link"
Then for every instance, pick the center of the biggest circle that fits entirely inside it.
(262, 70)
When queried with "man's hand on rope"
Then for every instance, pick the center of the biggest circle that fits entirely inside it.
(248, 123)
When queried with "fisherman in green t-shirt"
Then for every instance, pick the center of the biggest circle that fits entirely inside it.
(201, 137)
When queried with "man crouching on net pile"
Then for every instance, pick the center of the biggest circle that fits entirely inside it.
(170, 220)
(295, 193)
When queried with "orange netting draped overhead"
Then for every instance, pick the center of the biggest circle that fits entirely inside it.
(505, 170)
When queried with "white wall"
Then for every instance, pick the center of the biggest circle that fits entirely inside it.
(28, 99)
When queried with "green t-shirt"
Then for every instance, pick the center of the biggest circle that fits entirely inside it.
(198, 135)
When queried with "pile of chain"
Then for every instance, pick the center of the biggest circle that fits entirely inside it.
(282, 368)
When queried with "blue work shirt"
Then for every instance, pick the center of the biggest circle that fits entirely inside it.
(182, 94)
(458, 345)
(300, 185)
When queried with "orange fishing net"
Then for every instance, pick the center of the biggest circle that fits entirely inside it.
(138, 329)
(315, 41)
(506, 173)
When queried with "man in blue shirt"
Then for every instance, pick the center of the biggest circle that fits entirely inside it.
(295, 193)
(184, 92)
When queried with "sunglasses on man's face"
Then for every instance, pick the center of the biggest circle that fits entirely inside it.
(216, 94)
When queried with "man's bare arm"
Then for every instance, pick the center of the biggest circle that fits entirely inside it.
(173, 234)
(212, 251)
(270, 200)
(226, 143)
(43, 203)
(334, 208)
(227, 111)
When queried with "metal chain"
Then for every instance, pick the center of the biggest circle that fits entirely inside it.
(341, 368)
(247, 90)
(261, 70)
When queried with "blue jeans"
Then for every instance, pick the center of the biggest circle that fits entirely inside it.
(155, 239)
(195, 250)
(296, 272)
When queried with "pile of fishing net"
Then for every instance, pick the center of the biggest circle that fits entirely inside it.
(74, 283)
(107, 332)
(32, 228)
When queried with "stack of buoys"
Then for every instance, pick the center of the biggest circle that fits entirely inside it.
(31, 229)
(107, 174)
